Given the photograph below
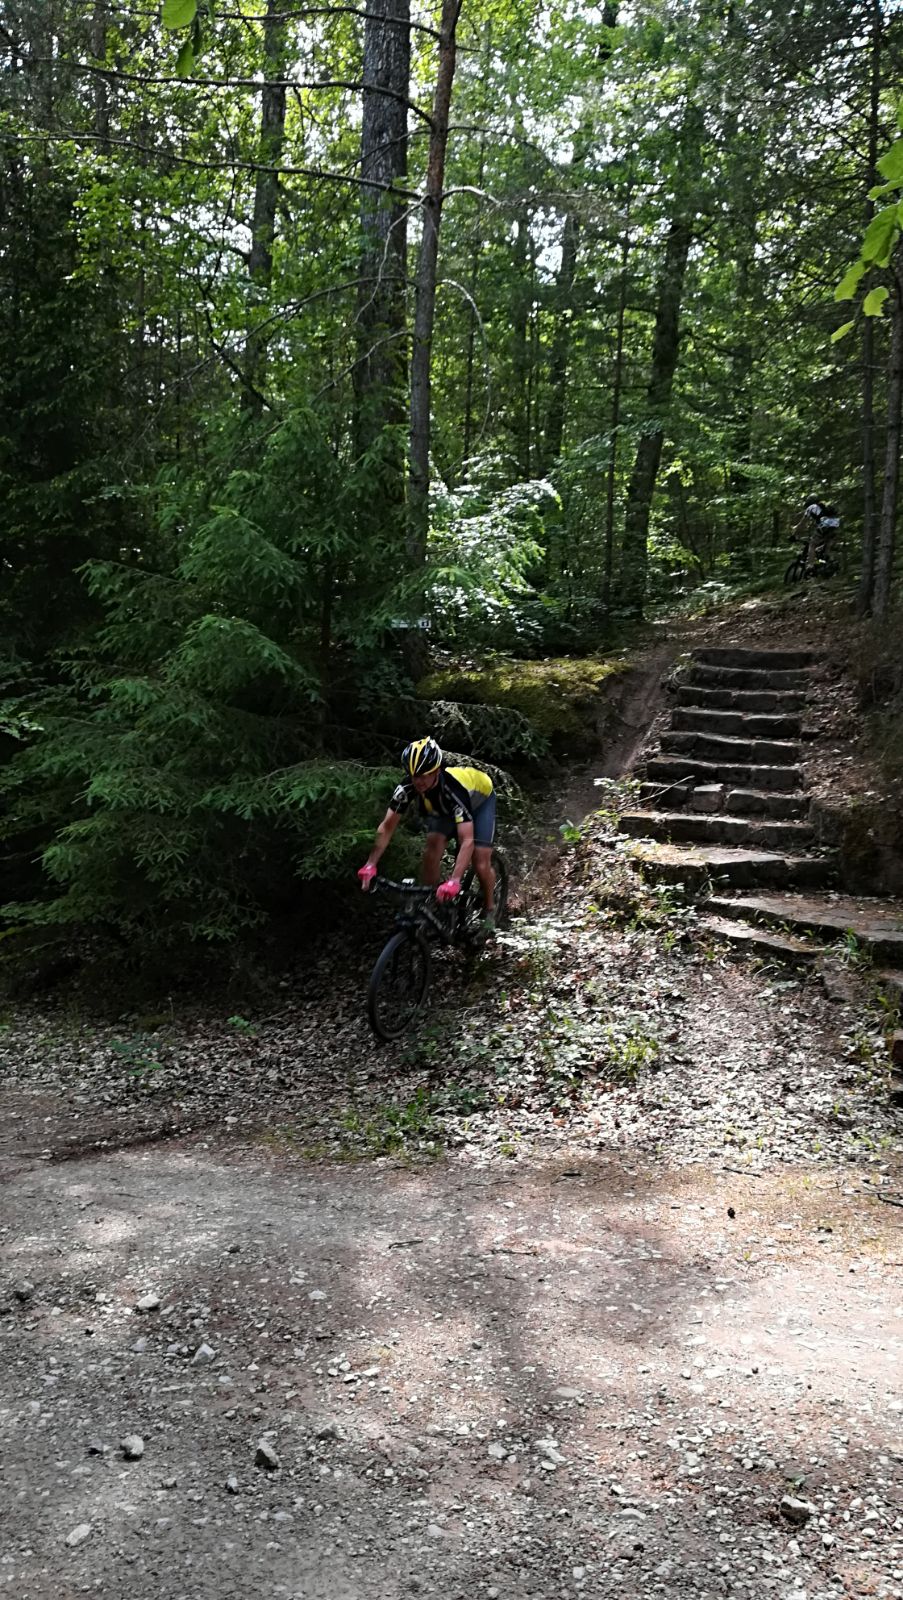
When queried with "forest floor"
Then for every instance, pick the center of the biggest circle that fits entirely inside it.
(592, 1289)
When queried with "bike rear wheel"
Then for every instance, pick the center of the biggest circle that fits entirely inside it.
(398, 985)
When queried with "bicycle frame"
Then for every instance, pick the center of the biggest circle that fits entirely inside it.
(423, 917)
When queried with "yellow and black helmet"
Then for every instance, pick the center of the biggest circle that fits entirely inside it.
(421, 757)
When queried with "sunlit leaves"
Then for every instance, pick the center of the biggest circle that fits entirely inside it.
(846, 289)
(873, 304)
(179, 13)
(880, 236)
(891, 163)
(841, 332)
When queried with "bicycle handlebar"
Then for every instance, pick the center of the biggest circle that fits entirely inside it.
(420, 891)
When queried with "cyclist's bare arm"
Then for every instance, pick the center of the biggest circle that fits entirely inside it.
(383, 836)
(465, 849)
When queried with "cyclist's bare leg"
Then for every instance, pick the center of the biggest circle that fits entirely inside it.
(485, 871)
(431, 865)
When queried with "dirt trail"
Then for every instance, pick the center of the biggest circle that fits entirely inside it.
(550, 1381)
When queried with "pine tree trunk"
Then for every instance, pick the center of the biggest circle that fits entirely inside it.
(101, 84)
(869, 506)
(380, 371)
(887, 527)
(520, 347)
(616, 390)
(425, 304)
(561, 343)
(472, 327)
(266, 196)
(559, 360)
(665, 350)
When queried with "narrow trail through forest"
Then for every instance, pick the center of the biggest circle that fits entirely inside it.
(592, 1289)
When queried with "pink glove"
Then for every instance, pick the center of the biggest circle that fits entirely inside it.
(449, 890)
(366, 873)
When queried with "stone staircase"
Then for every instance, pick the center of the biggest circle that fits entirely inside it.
(724, 810)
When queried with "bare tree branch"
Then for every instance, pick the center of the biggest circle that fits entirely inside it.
(320, 174)
(147, 79)
(293, 15)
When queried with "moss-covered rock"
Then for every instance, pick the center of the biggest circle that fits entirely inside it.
(559, 696)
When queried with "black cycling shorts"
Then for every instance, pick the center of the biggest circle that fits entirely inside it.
(483, 823)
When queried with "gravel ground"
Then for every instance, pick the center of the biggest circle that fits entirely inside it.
(357, 1380)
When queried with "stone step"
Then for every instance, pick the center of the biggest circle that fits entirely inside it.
(876, 925)
(759, 802)
(776, 700)
(891, 980)
(717, 747)
(777, 946)
(705, 719)
(698, 867)
(674, 769)
(687, 827)
(762, 660)
(717, 797)
(748, 678)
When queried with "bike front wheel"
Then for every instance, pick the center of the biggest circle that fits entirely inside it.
(796, 571)
(398, 985)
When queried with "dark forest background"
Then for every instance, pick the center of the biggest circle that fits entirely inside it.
(336, 336)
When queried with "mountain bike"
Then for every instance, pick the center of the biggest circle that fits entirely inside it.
(401, 977)
(822, 565)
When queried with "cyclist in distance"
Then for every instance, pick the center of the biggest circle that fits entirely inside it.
(823, 524)
(451, 800)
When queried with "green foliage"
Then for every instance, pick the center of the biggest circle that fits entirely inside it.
(183, 767)
(879, 241)
(485, 558)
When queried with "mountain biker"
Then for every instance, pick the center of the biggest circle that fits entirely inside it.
(451, 800)
(823, 523)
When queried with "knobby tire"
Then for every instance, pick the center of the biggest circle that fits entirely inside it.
(398, 985)
(796, 571)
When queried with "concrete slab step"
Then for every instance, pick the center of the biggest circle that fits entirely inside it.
(748, 678)
(745, 724)
(717, 747)
(762, 941)
(779, 701)
(771, 660)
(699, 866)
(675, 769)
(687, 827)
(718, 797)
(876, 925)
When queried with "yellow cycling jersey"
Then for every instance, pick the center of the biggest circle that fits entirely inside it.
(458, 793)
